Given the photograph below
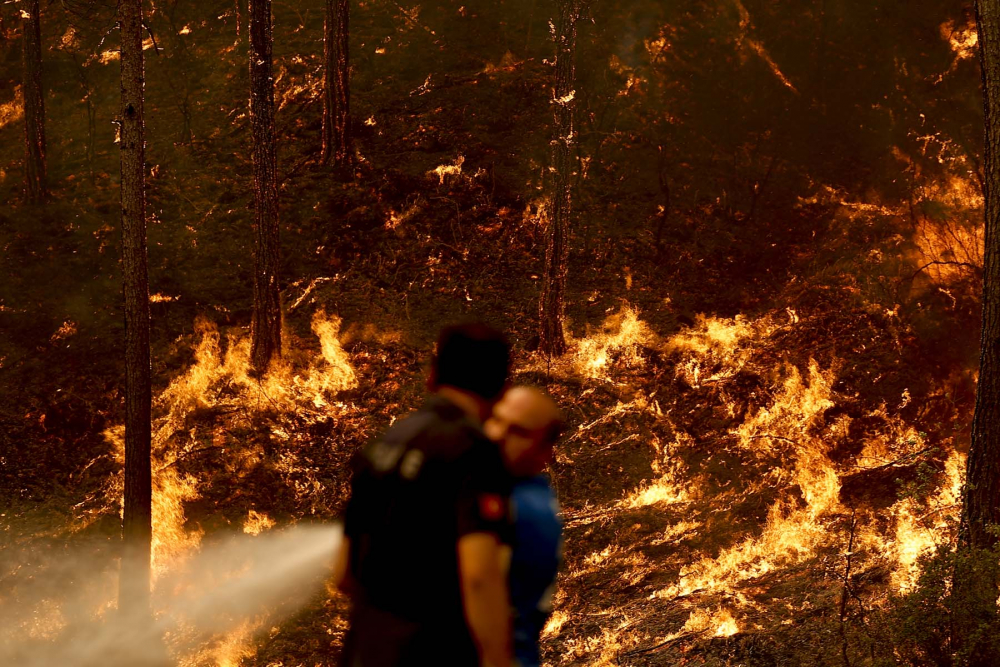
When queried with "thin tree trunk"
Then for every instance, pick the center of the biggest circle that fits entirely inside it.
(88, 100)
(552, 306)
(664, 214)
(91, 131)
(821, 56)
(337, 140)
(527, 32)
(34, 106)
(182, 56)
(981, 506)
(137, 519)
(241, 20)
(266, 324)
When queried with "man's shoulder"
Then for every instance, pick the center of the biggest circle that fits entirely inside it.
(438, 428)
(383, 452)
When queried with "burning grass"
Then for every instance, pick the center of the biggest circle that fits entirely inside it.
(745, 450)
(735, 467)
(743, 490)
(208, 412)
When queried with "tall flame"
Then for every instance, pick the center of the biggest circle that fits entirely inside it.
(622, 334)
(217, 379)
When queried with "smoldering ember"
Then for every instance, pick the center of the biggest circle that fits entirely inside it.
(750, 250)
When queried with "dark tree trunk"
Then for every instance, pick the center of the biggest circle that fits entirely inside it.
(336, 84)
(552, 306)
(88, 100)
(137, 520)
(821, 57)
(981, 506)
(974, 592)
(266, 324)
(182, 90)
(34, 106)
(91, 128)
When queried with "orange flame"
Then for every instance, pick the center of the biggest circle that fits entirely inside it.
(12, 111)
(622, 334)
(217, 378)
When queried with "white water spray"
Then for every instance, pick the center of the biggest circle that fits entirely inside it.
(229, 582)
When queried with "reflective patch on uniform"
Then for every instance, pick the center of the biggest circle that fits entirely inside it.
(384, 455)
(491, 506)
(410, 466)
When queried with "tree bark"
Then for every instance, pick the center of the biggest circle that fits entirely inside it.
(137, 518)
(266, 323)
(337, 140)
(981, 502)
(552, 305)
(34, 106)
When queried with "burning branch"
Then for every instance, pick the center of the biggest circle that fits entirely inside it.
(966, 265)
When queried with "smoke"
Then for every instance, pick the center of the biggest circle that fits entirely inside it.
(64, 614)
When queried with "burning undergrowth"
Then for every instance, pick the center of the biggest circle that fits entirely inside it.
(232, 453)
(218, 409)
(763, 489)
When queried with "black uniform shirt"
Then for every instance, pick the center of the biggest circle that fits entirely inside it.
(430, 479)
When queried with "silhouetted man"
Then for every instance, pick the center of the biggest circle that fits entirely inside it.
(424, 524)
(526, 424)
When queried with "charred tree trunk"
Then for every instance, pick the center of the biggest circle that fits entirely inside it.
(137, 520)
(336, 84)
(34, 105)
(266, 324)
(552, 306)
(981, 502)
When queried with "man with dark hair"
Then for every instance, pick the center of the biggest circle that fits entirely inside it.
(474, 358)
(427, 515)
(526, 424)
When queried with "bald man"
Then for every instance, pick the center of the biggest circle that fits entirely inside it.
(526, 424)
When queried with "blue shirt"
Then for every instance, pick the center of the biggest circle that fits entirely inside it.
(535, 558)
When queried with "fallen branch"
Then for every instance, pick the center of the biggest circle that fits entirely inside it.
(634, 436)
(668, 642)
(901, 459)
(187, 454)
(773, 437)
(945, 263)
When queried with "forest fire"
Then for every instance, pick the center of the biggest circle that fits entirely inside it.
(787, 440)
(186, 574)
(742, 249)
